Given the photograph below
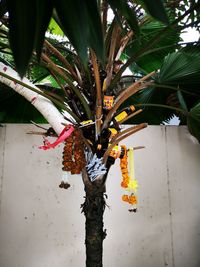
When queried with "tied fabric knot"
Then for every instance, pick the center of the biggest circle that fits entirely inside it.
(66, 132)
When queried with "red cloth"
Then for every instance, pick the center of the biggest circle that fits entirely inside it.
(66, 132)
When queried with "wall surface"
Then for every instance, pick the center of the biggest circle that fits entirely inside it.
(41, 225)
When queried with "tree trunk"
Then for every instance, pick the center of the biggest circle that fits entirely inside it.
(93, 208)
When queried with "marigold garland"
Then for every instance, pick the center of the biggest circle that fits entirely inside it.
(128, 183)
(132, 199)
(124, 169)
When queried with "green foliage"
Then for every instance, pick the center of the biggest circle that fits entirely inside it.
(3, 8)
(127, 12)
(2, 115)
(193, 121)
(82, 25)
(153, 115)
(181, 68)
(44, 10)
(152, 58)
(153, 44)
(54, 28)
(80, 20)
(22, 24)
(176, 84)
(14, 108)
(156, 9)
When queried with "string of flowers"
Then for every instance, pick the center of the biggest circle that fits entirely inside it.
(128, 181)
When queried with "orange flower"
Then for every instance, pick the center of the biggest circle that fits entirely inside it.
(133, 199)
(124, 169)
(124, 184)
(125, 198)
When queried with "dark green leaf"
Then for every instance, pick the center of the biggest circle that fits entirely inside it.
(2, 115)
(193, 121)
(5, 92)
(18, 110)
(95, 28)
(22, 25)
(156, 9)
(44, 13)
(3, 8)
(73, 16)
(124, 9)
(151, 115)
(181, 67)
(15, 108)
(181, 100)
(81, 22)
(152, 59)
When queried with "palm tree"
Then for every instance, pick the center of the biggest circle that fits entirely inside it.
(85, 76)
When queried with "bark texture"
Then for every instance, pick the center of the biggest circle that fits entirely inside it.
(93, 209)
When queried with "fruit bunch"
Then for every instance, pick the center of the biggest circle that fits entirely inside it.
(73, 153)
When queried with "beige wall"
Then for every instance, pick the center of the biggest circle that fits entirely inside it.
(41, 225)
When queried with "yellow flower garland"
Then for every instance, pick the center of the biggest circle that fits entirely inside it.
(124, 169)
(128, 181)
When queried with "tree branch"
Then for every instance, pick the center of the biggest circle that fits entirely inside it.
(41, 103)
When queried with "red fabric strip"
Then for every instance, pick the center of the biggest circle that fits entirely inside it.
(66, 132)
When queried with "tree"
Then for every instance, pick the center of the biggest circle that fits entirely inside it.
(88, 73)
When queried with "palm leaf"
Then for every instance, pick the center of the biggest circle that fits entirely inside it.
(81, 23)
(3, 8)
(44, 13)
(125, 10)
(22, 26)
(50, 81)
(181, 68)
(193, 121)
(95, 29)
(2, 116)
(153, 58)
(54, 28)
(150, 114)
(156, 9)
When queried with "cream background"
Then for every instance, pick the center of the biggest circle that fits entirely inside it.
(41, 225)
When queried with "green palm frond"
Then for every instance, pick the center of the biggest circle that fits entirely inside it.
(179, 71)
(150, 114)
(182, 67)
(193, 121)
(152, 58)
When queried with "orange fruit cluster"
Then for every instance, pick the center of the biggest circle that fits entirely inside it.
(73, 153)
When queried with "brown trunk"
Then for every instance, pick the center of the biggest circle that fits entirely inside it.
(93, 209)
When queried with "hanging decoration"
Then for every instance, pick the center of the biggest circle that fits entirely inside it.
(95, 167)
(92, 139)
(108, 102)
(66, 132)
(128, 178)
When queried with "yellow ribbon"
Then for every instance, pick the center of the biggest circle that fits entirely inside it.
(133, 184)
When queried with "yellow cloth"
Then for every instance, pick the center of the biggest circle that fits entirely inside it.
(133, 184)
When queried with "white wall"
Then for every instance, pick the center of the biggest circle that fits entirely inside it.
(41, 225)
